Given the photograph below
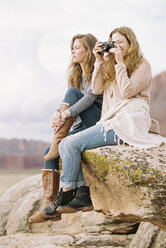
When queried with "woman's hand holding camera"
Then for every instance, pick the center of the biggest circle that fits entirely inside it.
(97, 49)
(117, 52)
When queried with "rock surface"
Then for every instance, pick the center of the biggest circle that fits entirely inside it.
(24, 199)
(80, 240)
(89, 229)
(144, 241)
(147, 236)
(128, 184)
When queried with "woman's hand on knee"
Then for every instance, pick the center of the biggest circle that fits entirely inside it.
(58, 120)
(58, 126)
(64, 116)
(55, 119)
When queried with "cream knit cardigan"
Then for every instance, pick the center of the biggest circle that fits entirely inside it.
(126, 105)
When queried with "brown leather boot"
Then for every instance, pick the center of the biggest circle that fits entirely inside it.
(50, 179)
(61, 133)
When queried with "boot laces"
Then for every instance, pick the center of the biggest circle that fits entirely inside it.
(58, 200)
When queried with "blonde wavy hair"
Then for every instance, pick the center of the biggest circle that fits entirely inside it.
(74, 78)
(132, 59)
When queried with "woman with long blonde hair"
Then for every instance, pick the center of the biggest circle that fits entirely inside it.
(80, 109)
(124, 78)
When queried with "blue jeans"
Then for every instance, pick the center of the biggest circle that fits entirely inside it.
(70, 149)
(89, 117)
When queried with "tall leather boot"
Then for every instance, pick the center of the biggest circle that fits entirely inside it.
(50, 179)
(60, 134)
(81, 202)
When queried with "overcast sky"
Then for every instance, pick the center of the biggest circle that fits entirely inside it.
(35, 38)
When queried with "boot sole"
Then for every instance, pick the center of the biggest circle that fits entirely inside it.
(54, 219)
(47, 219)
(73, 210)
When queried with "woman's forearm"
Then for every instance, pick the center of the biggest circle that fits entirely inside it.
(85, 102)
(97, 77)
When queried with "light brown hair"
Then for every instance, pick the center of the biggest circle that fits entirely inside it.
(74, 79)
(132, 59)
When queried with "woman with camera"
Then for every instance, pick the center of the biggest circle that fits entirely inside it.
(124, 78)
(79, 109)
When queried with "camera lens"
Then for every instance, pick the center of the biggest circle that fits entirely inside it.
(106, 46)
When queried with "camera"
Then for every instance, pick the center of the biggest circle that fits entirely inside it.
(105, 46)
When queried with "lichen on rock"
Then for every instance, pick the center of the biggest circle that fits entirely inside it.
(127, 183)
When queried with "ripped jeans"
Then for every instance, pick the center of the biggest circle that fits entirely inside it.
(70, 149)
(89, 117)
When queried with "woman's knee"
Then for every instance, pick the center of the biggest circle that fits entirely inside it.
(72, 96)
(64, 143)
(72, 91)
(70, 144)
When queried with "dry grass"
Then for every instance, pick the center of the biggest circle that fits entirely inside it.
(10, 177)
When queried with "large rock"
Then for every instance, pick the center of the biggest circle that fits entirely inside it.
(79, 229)
(59, 241)
(26, 198)
(145, 236)
(37, 241)
(128, 184)
(148, 236)
(18, 203)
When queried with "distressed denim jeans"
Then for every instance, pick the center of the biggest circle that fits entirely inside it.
(89, 117)
(71, 147)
